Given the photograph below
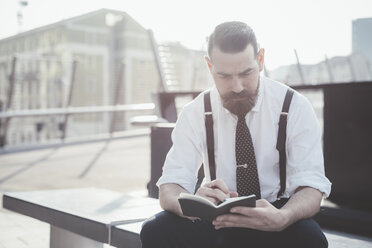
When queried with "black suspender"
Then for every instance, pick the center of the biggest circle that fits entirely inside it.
(281, 141)
(210, 135)
(280, 145)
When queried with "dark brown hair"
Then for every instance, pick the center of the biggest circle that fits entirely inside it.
(232, 37)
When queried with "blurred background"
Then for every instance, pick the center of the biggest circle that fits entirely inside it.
(58, 54)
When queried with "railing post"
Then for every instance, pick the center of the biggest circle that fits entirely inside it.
(118, 89)
(352, 72)
(299, 67)
(368, 65)
(69, 99)
(8, 103)
(330, 74)
(155, 48)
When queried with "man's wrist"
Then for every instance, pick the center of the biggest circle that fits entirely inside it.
(286, 218)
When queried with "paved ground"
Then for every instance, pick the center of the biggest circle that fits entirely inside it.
(121, 165)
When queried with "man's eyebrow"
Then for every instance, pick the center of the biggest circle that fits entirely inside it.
(240, 73)
(246, 71)
(223, 74)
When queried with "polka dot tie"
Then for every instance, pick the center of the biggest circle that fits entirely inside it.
(246, 171)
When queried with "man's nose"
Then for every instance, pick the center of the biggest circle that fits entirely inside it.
(237, 85)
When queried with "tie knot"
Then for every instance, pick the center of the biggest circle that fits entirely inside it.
(241, 117)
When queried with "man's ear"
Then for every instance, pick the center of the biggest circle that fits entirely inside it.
(261, 59)
(209, 63)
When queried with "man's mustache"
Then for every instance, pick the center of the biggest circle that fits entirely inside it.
(236, 96)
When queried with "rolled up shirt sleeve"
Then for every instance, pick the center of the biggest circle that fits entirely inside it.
(305, 160)
(184, 158)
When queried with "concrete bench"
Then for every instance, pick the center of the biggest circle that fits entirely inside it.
(87, 217)
(91, 217)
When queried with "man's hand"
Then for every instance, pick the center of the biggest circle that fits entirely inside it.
(304, 203)
(169, 193)
(216, 191)
(264, 217)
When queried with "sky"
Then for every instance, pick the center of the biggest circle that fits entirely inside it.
(314, 28)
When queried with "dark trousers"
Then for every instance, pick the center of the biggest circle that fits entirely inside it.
(166, 230)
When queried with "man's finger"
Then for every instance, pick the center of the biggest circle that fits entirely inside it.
(246, 211)
(262, 203)
(217, 194)
(212, 200)
(214, 195)
(226, 224)
(219, 184)
(229, 218)
(234, 194)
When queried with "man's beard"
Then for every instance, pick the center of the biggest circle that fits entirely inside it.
(239, 103)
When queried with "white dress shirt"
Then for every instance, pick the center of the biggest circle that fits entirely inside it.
(305, 164)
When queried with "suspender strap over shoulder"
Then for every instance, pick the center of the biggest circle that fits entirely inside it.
(281, 142)
(210, 135)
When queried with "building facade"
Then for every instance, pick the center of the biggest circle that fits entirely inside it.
(362, 38)
(100, 42)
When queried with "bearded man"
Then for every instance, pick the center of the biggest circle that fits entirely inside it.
(246, 108)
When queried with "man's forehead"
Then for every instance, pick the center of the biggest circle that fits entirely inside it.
(232, 63)
(217, 53)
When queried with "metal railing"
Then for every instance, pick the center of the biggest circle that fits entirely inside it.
(66, 110)
(76, 111)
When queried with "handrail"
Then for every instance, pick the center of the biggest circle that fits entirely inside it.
(321, 86)
(76, 110)
(7, 115)
(70, 141)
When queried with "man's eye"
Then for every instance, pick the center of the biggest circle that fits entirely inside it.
(245, 74)
(225, 76)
